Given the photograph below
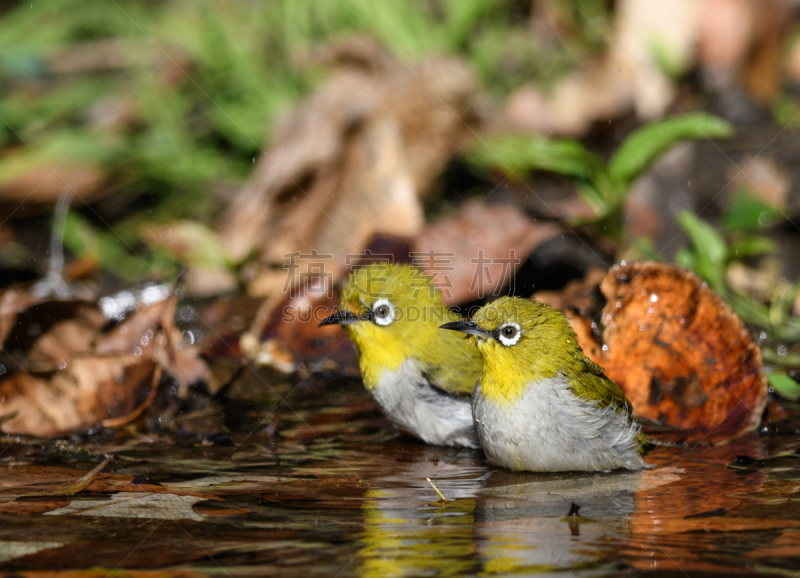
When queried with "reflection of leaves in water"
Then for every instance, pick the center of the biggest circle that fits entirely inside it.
(10, 550)
(135, 505)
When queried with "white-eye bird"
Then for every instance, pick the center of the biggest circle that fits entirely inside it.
(540, 404)
(420, 377)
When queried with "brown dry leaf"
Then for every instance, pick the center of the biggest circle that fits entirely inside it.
(678, 351)
(183, 363)
(12, 302)
(600, 90)
(580, 295)
(289, 338)
(30, 480)
(160, 506)
(476, 251)
(725, 31)
(73, 376)
(351, 162)
(135, 334)
(630, 75)
(44, 184)
(89, 390)
(66, 339)
(760, 282)
(192, 243)
(763, 177)
(761, 76)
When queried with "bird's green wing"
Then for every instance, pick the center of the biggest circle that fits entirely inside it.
(591, 384)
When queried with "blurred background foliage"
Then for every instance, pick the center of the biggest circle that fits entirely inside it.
(155, 113)
(172, 98)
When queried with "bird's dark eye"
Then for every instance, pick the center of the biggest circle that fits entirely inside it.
(508, 334)
(382, 312)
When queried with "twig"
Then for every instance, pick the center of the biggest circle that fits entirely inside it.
(435, 489)
(126, 419)
(78, 485)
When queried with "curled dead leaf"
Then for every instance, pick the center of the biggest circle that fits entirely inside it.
(678, 351)
(63, 373)
(352, 162)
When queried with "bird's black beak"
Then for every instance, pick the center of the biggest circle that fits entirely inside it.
(339, 318)
(465, 326)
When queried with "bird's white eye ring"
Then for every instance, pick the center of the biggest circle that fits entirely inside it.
(382, 312)
(508, 334)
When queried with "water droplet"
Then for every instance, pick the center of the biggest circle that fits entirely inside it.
(653, 298)
(2, 369)
(783, 350)
(623, 262)
(187, 313)
(641, 328)
(618, 304)
(144, 341)
(762, 336)
(137, 351)
(605, 347)
(62, 364)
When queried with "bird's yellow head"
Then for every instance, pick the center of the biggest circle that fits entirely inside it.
(392, 313)
(521, 342)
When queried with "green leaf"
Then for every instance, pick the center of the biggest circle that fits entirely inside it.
(461, 18)
(645, 145)
(514, 153)
(784, 386)
(749, 213)
(786, 112)
(84, 240)
(685, 258)
(751, 247)
(710, 250)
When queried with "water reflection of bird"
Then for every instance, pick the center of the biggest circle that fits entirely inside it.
(407, 533)
(498, 522)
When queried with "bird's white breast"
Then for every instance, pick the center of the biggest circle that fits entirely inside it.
(424, 411)
(549, 429)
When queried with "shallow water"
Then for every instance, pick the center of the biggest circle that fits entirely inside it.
(337, 492)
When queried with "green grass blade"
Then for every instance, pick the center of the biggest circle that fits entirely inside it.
(646, 144)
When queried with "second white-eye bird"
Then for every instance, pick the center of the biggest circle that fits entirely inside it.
(541, 405)
(420, 377)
